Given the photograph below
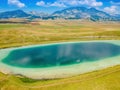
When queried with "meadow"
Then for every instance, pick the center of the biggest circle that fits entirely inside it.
(50, 31)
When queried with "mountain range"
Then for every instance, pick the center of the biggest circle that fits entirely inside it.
(69, 13)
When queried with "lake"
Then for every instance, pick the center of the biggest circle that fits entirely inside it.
(60, 60)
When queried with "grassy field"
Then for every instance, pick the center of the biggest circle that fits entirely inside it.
(13, 35)
(56, 31)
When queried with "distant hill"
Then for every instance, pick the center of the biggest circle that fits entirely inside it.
(69, 13)
(84, 13)
(16, 14)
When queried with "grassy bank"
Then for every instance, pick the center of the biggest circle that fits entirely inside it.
(13, 35)
(107, 79)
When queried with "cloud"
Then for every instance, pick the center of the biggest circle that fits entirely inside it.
(111, 10)
(16, 3)
(96, 4)
(91, 3)
(115, 3)
(65, 3)
(57, 4)
(41, 3)
(48, 4)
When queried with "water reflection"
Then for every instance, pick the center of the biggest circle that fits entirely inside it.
(61, 54)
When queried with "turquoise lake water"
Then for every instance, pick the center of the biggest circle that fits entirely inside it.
(61, 54)
(60, 60)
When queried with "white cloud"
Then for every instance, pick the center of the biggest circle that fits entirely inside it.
(56, 4)
(111, 10)
(41, 3)
(96, 4)
(115, 3)
(91, 3)
(65, 3)
(16, 3)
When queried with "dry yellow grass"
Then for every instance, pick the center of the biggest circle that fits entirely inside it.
(56, 31)
(107, 79)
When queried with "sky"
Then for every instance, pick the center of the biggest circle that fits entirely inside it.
(49, 6)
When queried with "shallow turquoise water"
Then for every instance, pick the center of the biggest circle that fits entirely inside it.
(60, 54)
